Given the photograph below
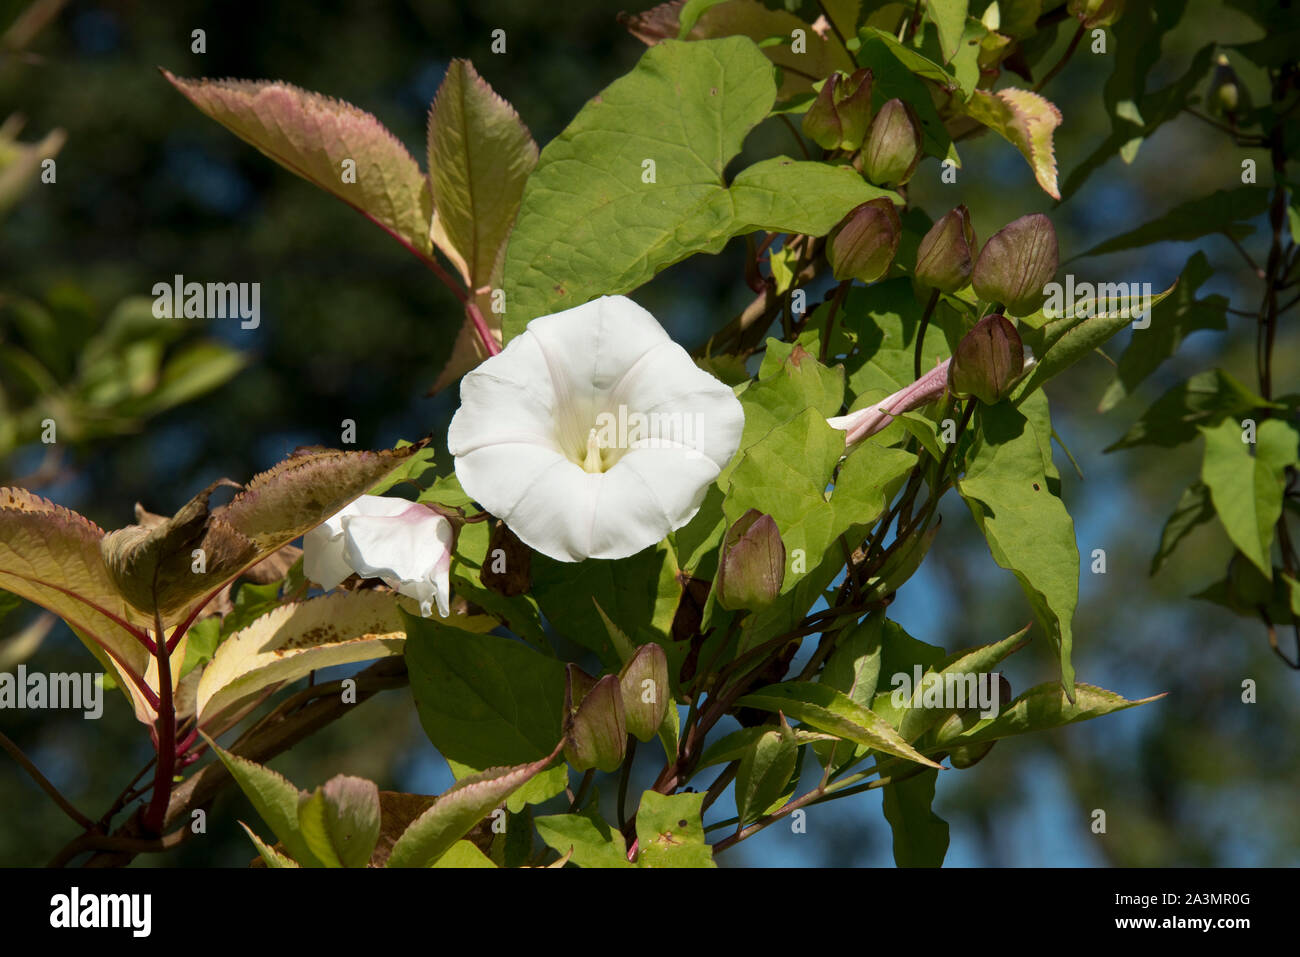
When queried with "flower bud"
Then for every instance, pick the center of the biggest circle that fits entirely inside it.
(1016, 263)
(988, 360)
(1224, 97)
(893, 147)
(947, 252)
(751, 570)
(596, 736)
(839, 117)
(1096, 13)
(646, 692)
(863, 245)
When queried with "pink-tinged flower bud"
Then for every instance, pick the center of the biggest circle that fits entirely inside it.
(893, 147)
(988, 360)
(821, 123)
(946, 256)
(646, 692)
(751, 570)
(1016, 263)
(863, 245)
(854, 108)
(841, 114)
(596, 732)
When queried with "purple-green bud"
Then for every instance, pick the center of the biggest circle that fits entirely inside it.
(988, 360)
(863, 245)
(595, 735)
(751, 570)
(646, 692)
(946, 256)
(893, 147)
(1016, 263)
(841, 114)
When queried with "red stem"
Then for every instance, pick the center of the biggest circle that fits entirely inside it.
(156, 814)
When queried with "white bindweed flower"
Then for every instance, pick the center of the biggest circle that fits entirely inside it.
(593, 434)
(405, 544)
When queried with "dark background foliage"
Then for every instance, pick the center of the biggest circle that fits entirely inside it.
(353, 327)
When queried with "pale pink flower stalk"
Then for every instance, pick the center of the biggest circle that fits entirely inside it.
(872, 419)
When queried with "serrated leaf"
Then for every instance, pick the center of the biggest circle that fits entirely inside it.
(312, 825)
(669, 831)
(832, 711)
(269, 854)
(1025, 524)
(351, 818)
(50, 555)
(1246, 485)
(311, 136)
(153, 564)
(275, 799)
(1062, 342)
(916, 719)
(457, 810)
(1027, 121)
(1042, 707)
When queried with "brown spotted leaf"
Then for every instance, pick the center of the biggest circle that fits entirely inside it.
(154, 564)
(305, 489)
(293, 640)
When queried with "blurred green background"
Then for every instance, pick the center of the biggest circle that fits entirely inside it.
(354, 328)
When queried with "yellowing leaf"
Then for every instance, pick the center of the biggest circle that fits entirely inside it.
(459, 808)
(293, 640)
(1026, 121)
(50, 555)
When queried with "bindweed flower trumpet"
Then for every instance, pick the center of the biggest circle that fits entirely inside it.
(404, 544)
(593, 434)
(873, 418)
